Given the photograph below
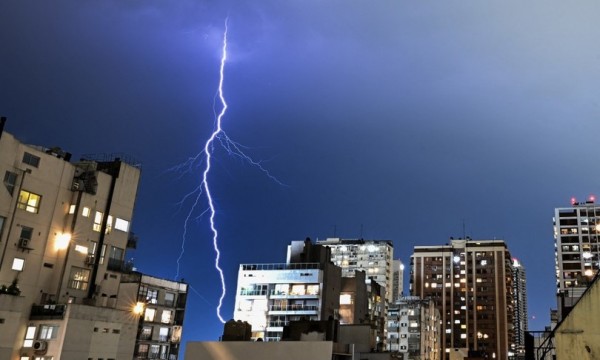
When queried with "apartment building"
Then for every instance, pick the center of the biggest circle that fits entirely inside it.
(414, 328)
(64, 230)
(160, 305)
(471, 284)
(577, 250)
(306, 287)
(374, 257)
(520, 318)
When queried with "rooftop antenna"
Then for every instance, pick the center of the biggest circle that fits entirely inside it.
(464, 229)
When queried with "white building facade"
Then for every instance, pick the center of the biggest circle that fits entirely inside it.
(577, 249)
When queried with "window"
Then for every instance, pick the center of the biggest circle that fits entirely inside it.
(166, 317)
(97, 221)
(25, 238)
(31, 159)
(81, 249)
(146, 333)
(72, 209)
(10, 180)
(163, 334)
(149, 314)
(2, 219)
(48, 332)
(116, 253)
(152, 296)
(79, 278)
(29, 201)
(92, 251)
(85, 212)
(109, 224)
(122, 225)
(18, 264)
(169, 299)
(345, 299)
(29, 336)
(154, 349)
(142, 350)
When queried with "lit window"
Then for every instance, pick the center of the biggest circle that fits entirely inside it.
(81, 249)
(483, 262)
(163, 334)
(97, 221)
(152, 296)
(463, 336)
(166, 317)
(345, 299)
(448, 331)
(48, 332)
(85, 212)
(10, 180)
(79, 278)
(18, 264)
(31, 159)
(109, 224)
(29, 336)
(122, 225)
(298, 290)
(29, 201)
(149, 314)
(312, 289)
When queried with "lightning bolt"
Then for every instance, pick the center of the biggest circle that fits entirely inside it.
(205, 157)
(208, 158)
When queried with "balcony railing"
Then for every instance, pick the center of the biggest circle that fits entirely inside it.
(293, 307)
(47, 312)
(281, 266)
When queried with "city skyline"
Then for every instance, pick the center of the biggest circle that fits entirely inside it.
(394, 120)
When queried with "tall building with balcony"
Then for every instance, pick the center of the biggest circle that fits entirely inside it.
(471, 283)
(307, 287)
(577, 250)
(520, 309)
(374, 257)
(64, 229)
(160, 304)
(414, 328)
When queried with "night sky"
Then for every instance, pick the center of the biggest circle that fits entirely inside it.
(398, 120)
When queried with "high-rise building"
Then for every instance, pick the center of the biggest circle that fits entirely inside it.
(160, 305)
(414, 328)
(577, 249)
(64, 229)
(269, 296)
(520, 319)
(470, 282)
(374, 257)
(397, 280)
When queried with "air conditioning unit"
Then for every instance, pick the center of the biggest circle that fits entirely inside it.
(89, 260)
(40, 345)
(24, 243)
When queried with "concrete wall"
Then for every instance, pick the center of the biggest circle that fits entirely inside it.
(578, 336)
(247, 350)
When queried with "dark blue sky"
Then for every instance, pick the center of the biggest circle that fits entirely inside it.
(400, 118)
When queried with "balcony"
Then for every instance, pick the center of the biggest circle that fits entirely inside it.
(293, 309)
(48, 312)
(275, 294)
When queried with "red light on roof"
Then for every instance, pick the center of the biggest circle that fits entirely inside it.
(573, 201)
(592, 198)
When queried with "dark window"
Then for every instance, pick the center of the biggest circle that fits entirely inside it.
(31, 159)
(10, 180)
